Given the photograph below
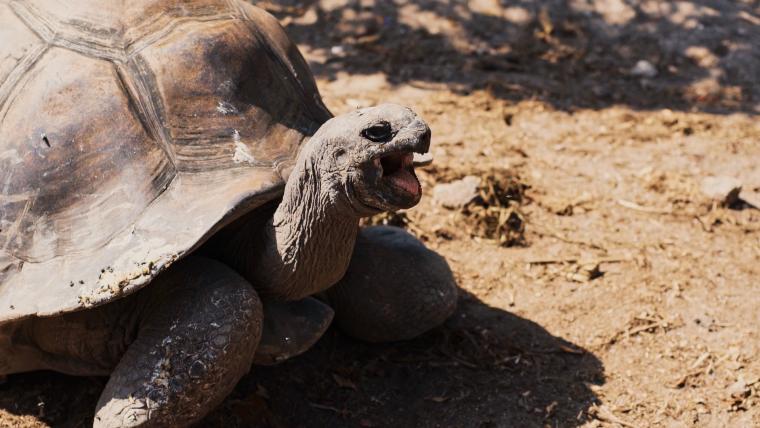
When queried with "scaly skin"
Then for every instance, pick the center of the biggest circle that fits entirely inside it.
(196, 340)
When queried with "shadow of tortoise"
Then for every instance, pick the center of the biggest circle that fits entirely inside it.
(485, 367)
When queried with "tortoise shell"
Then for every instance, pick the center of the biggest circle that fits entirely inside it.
(132, 131)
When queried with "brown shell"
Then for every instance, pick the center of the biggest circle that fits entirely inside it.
(130, 132)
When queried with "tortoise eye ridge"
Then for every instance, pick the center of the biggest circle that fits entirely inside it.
(379, 132)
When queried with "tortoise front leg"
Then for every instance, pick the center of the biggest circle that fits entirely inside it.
(394, 289)
(197, 337)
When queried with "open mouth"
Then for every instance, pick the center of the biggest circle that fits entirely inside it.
(397, 171)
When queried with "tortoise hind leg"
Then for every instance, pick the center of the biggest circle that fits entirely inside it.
(197, 337)
(394, 289)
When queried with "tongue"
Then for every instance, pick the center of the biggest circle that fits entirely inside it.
(406, 180)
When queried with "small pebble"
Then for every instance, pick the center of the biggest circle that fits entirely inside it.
(457, 193)
(722, 189)
(644, 68)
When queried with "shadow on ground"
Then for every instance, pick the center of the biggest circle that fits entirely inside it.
(485, 368)
(572, 54)
(54, 398)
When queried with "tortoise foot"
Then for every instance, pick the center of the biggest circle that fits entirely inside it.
(291, 328)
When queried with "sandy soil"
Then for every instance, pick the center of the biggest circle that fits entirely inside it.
(600, 285)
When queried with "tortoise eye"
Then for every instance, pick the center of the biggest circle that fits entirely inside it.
(379, 132)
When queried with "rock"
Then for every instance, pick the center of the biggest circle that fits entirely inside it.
(738, 389)
(752, 198)
(644, 68)
(457, 193)
(722, 189)
(585, 272)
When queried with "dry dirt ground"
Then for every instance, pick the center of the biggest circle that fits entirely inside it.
(600, 285)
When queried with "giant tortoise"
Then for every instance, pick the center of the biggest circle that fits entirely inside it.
(176, 203)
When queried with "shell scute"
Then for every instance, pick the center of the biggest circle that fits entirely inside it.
(132, 131)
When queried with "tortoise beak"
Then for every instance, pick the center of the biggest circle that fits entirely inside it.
(415, 138)
(422, 159)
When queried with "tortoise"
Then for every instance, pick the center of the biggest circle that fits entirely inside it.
(177, 203)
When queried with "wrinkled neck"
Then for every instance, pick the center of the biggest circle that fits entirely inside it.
(305, 247)
(314, 229)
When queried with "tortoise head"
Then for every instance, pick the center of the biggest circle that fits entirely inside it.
(369, 153)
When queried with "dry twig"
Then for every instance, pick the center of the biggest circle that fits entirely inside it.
(637, 207)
